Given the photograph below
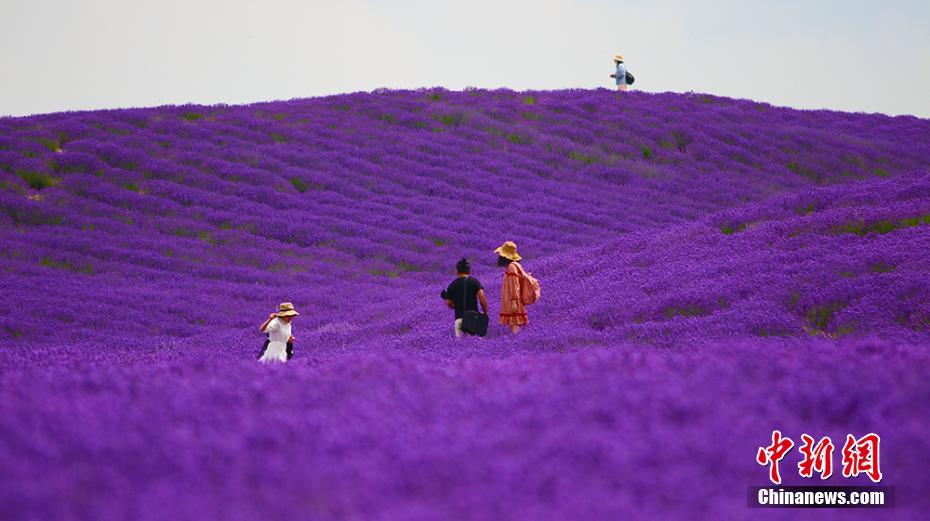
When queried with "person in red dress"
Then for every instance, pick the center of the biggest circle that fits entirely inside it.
(513, 310)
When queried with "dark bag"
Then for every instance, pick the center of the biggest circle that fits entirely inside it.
(629, 78)
(475, 323)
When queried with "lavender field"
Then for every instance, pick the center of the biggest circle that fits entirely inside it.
(712, 270)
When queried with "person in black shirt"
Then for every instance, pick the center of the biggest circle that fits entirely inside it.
(463, 294)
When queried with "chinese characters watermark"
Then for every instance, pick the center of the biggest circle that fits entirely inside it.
(860, 456)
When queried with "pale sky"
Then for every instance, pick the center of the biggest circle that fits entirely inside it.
(851, 55)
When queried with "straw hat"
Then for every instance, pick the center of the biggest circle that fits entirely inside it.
(286, 309)
(508, 250)
(618, 58)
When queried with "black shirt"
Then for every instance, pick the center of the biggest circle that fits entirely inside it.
(463, 286)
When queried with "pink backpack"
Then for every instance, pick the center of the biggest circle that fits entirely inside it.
(529, 287)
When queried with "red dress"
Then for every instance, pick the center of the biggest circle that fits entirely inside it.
(513, 310)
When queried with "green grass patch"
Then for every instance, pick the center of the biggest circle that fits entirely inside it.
(399, 269)
(184, 232)
(855, 160)
(647, 153)
(681, 139)
(686, 311)
(49, 262)
(584, 157)
(391, 274)
(882, 227)
(36, 180)
(881, 267)
(529, 100)
(53, 145)
(452, 120)
(803, 171)
(406, 266)
(741, 159)
(206, 236)
(820, 317)
(32, 218)
(730, 229)
(299, 184)
(192, 116)
(766, 332)
(10, 187)
(845, 329)
(518, 139)
(278, 138)
(113, 130)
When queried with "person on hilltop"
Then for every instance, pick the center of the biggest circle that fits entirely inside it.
(279, 347)
(463, 295)
(621, 75)
(518, 289)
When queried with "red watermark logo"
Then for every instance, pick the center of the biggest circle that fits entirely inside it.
(860, 456)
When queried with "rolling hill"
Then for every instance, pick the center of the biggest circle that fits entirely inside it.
(712, 269)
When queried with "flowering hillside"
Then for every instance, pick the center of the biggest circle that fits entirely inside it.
(712, 270)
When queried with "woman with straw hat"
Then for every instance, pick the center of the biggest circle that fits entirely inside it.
(620, 75)
(278, 327)
(513, 310)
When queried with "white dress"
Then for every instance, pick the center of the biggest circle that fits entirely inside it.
(278, 333)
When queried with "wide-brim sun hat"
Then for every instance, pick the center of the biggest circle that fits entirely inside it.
(618, 58)
(508, 250)
(286, 309)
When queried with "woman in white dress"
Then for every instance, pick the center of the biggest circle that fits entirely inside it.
(278, 327)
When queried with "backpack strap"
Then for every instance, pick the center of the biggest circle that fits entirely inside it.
(515, 263)
(464, 294)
